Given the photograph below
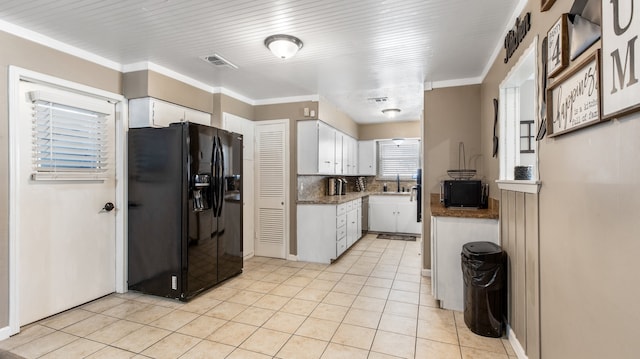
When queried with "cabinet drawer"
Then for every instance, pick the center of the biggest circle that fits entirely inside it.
(341, 220)
(341, 209)
(350, 205)
(341, 233)
(357, 203)
(341, 246)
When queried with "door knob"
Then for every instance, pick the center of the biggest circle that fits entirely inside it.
(108, 207)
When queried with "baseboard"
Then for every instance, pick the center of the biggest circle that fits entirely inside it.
(515, 344)
(292, 257)
(426, 272)
(5, 333)
(248, 256)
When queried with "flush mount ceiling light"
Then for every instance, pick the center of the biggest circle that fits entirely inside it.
(283, 46)
(397, 141)
(391, 112)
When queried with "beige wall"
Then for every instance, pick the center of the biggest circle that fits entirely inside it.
(28, 55)
(446, 124)
(332, 115)
(152, 84)
(406, 129)
(294, 112)
(588, 224)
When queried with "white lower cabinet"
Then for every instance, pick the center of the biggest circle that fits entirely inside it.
(393, 214)
(325, 231)
(448, 235)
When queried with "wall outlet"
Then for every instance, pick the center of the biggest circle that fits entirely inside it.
(313, 113)
(306, 112)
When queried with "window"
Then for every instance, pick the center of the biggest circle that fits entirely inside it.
(526, 137)
(398, 159)
(68, 142)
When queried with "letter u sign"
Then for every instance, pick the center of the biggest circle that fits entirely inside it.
(620, 58)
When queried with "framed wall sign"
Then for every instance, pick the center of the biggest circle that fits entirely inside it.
(573, 101)
(620, 58)
(546, 4)
(557, 47)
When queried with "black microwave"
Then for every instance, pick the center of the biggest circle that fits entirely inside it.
(463, 193)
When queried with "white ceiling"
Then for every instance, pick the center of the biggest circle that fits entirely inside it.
(353, 49)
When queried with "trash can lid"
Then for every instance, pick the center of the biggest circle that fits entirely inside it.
(480, 249)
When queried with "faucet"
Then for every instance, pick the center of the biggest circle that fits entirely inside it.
(398, 182)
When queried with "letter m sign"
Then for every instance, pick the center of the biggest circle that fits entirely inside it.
(620, 57)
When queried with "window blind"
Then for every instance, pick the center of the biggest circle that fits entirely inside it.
(402, 159)
(68, 142)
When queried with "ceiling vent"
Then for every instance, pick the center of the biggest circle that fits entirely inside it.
(218, 61)
(378, 99)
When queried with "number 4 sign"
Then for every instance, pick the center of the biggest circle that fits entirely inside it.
(557, 47)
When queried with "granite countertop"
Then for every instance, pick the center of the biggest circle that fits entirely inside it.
(335, 199)
(439, 210)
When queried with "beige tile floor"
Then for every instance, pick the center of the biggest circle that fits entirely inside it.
(371, 303)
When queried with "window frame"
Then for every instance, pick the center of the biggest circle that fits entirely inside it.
(415, 158)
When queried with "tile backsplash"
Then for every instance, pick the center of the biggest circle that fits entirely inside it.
(312, 187)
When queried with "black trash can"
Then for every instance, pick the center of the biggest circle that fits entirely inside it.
(484, 274)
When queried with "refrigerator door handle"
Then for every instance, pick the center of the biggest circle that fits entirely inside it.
(214, 170)
(222, 179)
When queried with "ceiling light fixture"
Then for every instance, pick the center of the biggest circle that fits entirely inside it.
(391, 112)
(283, 46)
(397, 141)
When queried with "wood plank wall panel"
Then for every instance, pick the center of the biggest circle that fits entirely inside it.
(532, 252)
(520, 240)
(511, 239)
(504, 242)
(520, 308)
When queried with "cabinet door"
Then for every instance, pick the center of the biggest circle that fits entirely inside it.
(326, 149)
(382, 217)
(406, 218)
(352, 227)
(367, 158)
(353, 155)
(165, 113)
(359, 221)
(339, 157)
(195, 116)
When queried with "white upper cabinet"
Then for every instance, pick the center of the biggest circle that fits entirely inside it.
(339, 154)
(324, 150)
(367, 158)
(350, 156)
(151, 112)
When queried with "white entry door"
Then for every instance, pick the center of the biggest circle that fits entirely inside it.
(272, 188)
(65, 234)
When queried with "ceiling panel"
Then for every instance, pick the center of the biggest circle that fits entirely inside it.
(353, 49)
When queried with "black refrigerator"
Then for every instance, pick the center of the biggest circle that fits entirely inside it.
(185, 209)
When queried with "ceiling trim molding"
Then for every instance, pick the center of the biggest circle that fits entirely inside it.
(234, 95)
(456, 82)
(146, 65)
(500, 45)
(57, 45)
(290, 99)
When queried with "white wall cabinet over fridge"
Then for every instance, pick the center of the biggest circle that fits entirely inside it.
(393, 214)
(151, 112)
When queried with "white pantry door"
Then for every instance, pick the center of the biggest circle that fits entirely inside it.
(272, 188)
(246, 128)
(66, 241)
